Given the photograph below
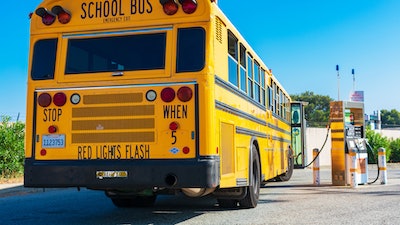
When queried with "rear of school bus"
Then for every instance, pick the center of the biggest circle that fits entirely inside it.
(119, 98)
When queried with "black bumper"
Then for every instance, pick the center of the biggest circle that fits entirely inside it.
(201, 173)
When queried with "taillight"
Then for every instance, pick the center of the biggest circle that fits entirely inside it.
(48, 17)
(168, 94)
(64, 16)
(185, 94)
(59, 99)
(174, 126)
(44, 99)
(170, 7)
(52, 129)
(186, 150)
(188, 6)
(43, 152)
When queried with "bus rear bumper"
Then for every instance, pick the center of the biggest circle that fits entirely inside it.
(194, 173)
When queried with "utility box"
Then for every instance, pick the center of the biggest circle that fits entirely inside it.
(348, 132)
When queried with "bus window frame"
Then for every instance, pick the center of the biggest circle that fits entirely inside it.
(56, 56)
(176, 47)
(100, 76)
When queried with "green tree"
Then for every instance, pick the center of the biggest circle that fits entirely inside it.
(390, 118)
(317, 110)
(394, 147)
(11, 147)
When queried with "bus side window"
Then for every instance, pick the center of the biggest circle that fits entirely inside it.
(250, 78)
(243, 66)
(44, 59)
(263, 101)
(233, 59)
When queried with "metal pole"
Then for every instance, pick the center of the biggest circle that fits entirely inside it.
(338, 82)
(316, 172)
(354, 80)
(353, 168)
(382, 165)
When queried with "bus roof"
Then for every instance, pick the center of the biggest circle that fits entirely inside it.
(51, 16)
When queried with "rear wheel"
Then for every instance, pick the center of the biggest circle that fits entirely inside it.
(289, 172)
(253, 191)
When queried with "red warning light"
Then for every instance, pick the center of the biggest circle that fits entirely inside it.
(48, 17)
(64, 16)
(188, 6)
(170, 7)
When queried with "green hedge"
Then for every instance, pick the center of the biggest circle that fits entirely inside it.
(12, 136)
(377, 141)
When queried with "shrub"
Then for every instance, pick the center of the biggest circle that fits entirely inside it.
(376, 141)
(12, 136)
(394, 147)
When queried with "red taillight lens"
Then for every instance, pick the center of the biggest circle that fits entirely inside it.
(52, 129)
(64, 16)
(186, 150)
(48, 17)
(188, 6)
(43, 152)
(173, 126)
(170, 7)
(185, 94)
(44, 99)
(59, 99)
(168, 94)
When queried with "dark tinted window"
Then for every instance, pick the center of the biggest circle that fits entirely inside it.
(123, 53)
(44, 59)
(191, 50)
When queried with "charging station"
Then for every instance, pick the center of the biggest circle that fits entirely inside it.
(348, 135)
(298, 134)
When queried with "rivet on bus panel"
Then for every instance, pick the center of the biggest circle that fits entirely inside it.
(48, 17)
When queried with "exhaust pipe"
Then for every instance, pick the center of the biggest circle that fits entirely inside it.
(171, 180)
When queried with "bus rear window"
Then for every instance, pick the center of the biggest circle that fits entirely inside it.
(191, 49)
(122, 53)
(44, 59)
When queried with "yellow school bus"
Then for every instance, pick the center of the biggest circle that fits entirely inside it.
(145, 97)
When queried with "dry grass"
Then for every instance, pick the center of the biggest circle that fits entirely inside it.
(13, 180)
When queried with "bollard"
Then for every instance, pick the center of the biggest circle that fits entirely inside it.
(353, 168)
(382, 165)
(316, 173)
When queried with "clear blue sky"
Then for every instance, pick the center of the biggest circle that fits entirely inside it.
(301, 41)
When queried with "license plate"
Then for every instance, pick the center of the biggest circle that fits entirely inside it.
(53, 141)
(111, 174)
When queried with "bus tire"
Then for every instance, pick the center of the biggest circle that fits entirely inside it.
(253, 191)
(288, 174)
